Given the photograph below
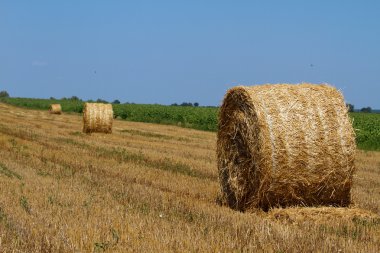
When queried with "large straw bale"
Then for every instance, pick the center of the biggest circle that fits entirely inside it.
(55, 109)
(97, 117)
(285, 145)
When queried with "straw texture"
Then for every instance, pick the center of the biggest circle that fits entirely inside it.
(284, 145)
(320, 215)
(55, 109)
(97, 117)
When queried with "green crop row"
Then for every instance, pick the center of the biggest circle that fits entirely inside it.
(367, 129)
(366, 125)
(201, 118)
(44, 104)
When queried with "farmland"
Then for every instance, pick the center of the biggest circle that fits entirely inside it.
(367, 128)
(152, 188)
(367, 125)
(201, 118)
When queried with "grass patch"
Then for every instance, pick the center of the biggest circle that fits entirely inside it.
(3, 216)
(76, 133)
(122, 155)
(366, 222)
(104, 246)
(9, 173)
(153, 135)
(43, 173)
(356, 231)
(25, 204)
(72, 142)
(24, 134)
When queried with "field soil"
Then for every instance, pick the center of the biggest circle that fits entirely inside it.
(152, 188)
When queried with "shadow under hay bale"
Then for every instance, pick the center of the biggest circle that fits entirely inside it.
(55, 109)
(97, 117)
(285, 145)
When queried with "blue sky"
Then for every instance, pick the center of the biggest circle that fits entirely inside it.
(176, 51)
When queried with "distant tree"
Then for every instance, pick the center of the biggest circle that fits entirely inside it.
(175, 104)
(99, 100)
(123, 114)
(366, 109)
(186, 104)
(74, 98)
(52, 98)
(4, 94)
(64, 98)
(196, 104)
(116, 101)
(90, 101)
(350, 107)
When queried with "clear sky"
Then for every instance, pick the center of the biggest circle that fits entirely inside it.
(174, 51)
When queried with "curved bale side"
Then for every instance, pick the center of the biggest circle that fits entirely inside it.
(285, 145)
(55, 109)
(97, 117)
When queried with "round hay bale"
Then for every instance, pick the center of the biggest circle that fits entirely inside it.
(285, 145)
(97, 117)
(55, 109)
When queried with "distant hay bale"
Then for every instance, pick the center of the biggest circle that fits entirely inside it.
(55, 109)
(97, 117)
(285, 145)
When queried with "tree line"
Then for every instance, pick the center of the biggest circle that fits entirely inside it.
(351, 108)
(5, 94)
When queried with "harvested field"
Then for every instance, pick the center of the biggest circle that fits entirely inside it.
(152, 188)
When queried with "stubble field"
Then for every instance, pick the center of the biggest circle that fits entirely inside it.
(151, 188)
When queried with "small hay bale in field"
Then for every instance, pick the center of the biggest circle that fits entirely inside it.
(285, 145)
(97, 117)
(55, 109)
